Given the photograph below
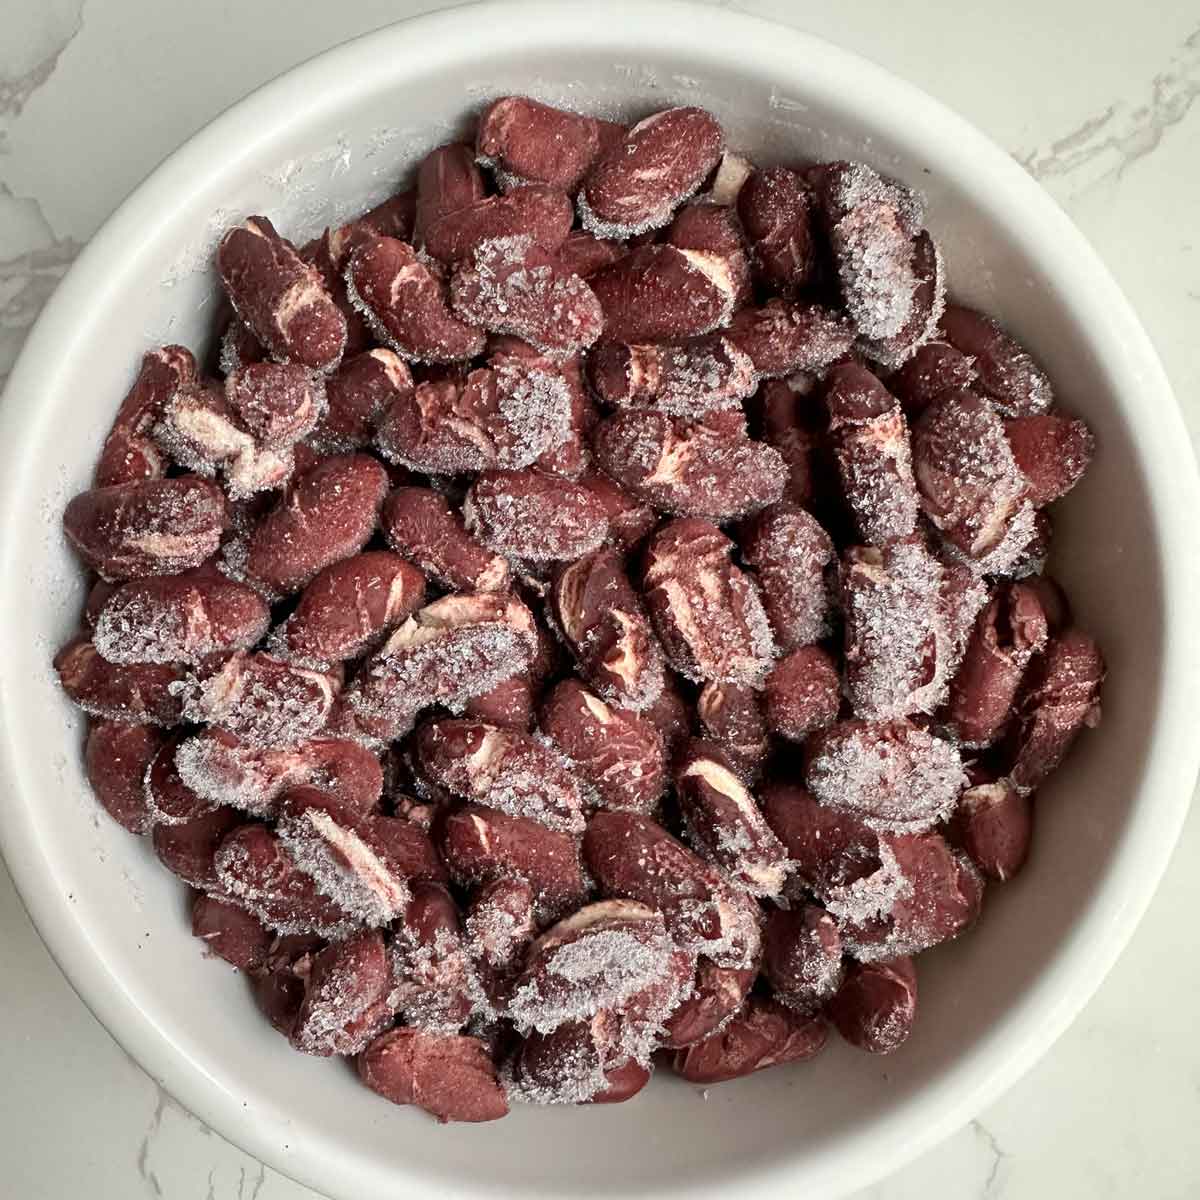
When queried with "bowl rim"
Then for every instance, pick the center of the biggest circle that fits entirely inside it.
(1173, 756)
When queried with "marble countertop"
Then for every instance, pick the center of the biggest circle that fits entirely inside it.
(1099, 102)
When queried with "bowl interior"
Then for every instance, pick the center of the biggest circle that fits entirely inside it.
(321, 146)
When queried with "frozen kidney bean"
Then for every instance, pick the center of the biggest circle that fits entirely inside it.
(1008, 633)
(1053, 601)
(345, 1001)
(327, 515)
(279, 403)
(539, 212)
(971, 488)
(230, 932)
(802, 956)
(328, 253)
(448, 179)
(358, 395)
(603, 622)
(928, 303)
(897, 639)
(280, 297)
(420, 524)
(893, 774)
(200, 430)
(775, 207)
(189, 850)
(764, 1034)
(1007, 374)
(802, 694)
(731, 716)
(279, 986)
(168, 800)
(566, 1065)
(876, 1005)
(783, 337)
(1052, 451)
(507, 414)
(98, 596)
(262, 700)
(533, 517)
(717, 996)
(622, 1083)
(870, 225)
(449, 1076)
(392, 217)
(639, 181)
(180, 619)
(723, 821)
(348, 608)
(583, 254)
(940, 895)
(843, 186)
(512, 285)
(832, 853)
(599, 958)
(500, 925)
(1060, 695)
(431, 971)
(689, 468)
(934, 368)
(129, 452)
(572, 457)
(994, 823)
(457, 647)
(363, 862)
(222, 770)
(790, 553)
(483, 844)
(715, 229)
(686, 380)
(790, 422)
(405, 302)
(660, 293)
(510, 704)
(629, 519)
(526, 140)
(617, 752)
(117, 758)
(254, 868)
(632, 857)
(514, 772)
(146, 527)
(708, 613)
(131, 692)
(870, 440)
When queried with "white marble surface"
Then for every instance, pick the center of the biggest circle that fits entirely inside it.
(93, 93)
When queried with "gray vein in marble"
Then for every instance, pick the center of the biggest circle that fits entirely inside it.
(994, 1184)
(143, 1158)
(27, 279)
(258, 1184)
(1124, 133)
(17, 86)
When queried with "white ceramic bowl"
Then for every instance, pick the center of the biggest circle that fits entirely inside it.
(312, 147)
